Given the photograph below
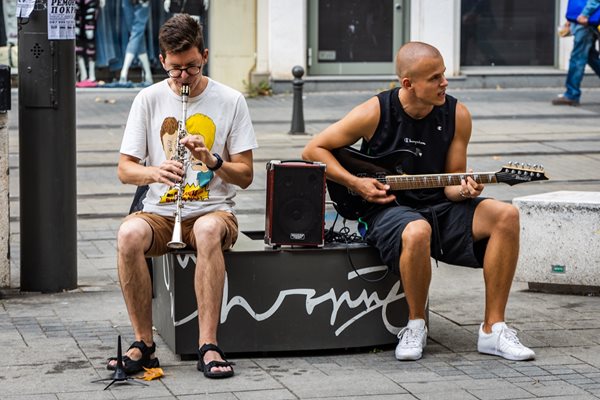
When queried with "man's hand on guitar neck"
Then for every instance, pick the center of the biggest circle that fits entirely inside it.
(372, 190)
(468, 189)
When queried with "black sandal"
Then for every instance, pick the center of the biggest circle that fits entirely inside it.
(206, 368)
(134, 366)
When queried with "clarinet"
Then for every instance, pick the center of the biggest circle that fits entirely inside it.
(181, 155)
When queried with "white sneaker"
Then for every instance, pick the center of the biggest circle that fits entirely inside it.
(503, 342)
(413, 339)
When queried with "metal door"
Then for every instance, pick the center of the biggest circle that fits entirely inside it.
(353, 37)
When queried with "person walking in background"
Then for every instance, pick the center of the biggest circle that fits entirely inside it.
(584, 51)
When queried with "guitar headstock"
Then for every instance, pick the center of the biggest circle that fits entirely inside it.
(514, 173)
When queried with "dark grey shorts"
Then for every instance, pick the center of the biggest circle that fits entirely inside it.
(454, 225)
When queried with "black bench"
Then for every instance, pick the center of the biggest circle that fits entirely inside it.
(284, 299)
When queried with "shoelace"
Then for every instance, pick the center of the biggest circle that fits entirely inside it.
(511, 336)
(409, 337)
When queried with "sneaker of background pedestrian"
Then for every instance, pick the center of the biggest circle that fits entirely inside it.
(503, 342)
(562, 100)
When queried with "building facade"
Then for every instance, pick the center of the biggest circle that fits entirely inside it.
(355, 40)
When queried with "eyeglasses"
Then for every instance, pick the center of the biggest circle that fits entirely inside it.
(176, 72)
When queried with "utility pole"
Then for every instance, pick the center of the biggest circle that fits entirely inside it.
(5, 104)
(47, 155)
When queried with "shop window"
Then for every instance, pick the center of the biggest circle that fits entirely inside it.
(508, 32)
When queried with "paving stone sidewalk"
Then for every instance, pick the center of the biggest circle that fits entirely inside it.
(55, 345)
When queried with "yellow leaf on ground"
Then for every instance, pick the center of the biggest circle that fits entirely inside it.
(152, 373)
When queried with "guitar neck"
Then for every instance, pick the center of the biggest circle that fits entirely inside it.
(406, 182)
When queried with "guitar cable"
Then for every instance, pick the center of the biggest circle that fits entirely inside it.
(344, 236)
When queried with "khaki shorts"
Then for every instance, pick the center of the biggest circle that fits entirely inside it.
(162, 230)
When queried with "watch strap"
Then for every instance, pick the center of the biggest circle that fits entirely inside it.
(218, 164)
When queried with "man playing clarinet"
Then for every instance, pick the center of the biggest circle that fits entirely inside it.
(219, 139)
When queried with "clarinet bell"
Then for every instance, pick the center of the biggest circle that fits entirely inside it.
(176, 242)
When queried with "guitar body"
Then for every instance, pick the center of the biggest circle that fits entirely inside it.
(350, 205)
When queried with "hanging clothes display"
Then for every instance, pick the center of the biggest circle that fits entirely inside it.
(86, 16)
(108, 48)
(114, 26)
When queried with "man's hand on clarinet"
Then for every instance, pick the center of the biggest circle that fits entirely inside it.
(169, 172)
(196, 145)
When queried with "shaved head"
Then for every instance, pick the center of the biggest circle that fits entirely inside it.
(409, 55)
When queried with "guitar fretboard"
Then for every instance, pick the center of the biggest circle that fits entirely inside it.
(404, 182)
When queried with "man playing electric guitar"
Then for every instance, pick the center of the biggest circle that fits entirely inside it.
(452, 224)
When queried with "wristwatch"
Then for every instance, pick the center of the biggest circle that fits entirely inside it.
(218, 164)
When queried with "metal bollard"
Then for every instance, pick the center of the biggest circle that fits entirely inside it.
(297, 110)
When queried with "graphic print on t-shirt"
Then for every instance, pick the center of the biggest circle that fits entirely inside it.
(196, 124)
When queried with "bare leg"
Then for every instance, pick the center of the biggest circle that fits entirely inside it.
(209, 281)
(134, 237)
(415, 266)
(500, 222)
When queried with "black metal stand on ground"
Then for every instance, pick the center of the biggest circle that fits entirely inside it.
(298, 109)
(119, 375)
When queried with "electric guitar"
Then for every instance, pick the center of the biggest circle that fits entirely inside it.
(388, 170)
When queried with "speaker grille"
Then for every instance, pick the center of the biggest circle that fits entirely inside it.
(295, 204)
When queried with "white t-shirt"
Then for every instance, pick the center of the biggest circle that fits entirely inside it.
(220, 114)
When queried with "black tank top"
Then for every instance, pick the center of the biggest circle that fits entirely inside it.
(428, 137)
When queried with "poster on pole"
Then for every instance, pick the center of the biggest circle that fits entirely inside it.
(24, 8)
(61, 19)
